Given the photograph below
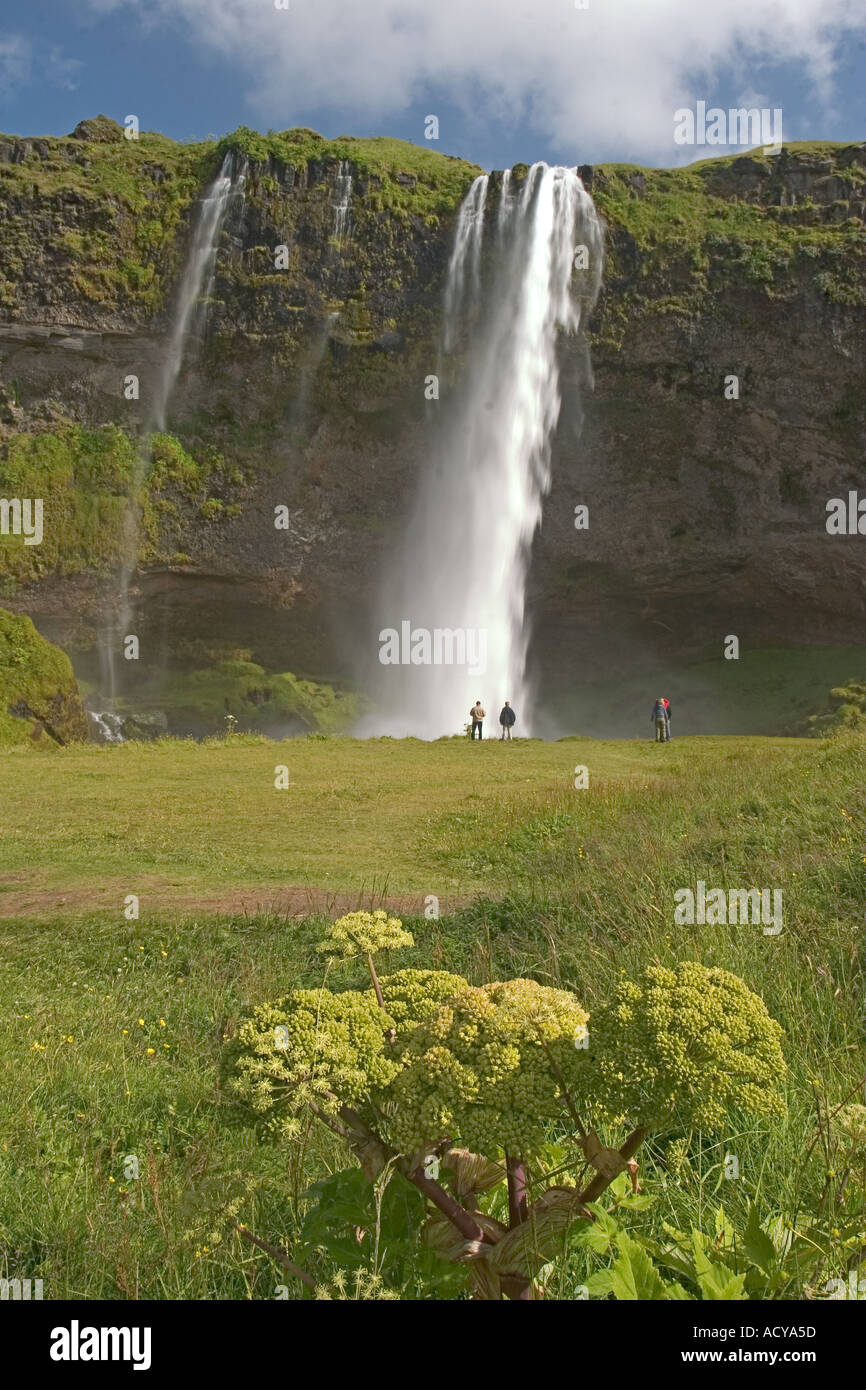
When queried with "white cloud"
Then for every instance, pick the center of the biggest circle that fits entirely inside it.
(15, 61)
(20, 65)
(607, 78)
(61, 71)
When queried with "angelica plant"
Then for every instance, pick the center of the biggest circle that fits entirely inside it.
(458, 1088)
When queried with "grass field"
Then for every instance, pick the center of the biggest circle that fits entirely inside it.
(182, 824)
(114, 1027)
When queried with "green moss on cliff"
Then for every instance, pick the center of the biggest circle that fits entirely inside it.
(259, 700)
(104, 217)
(39, 698)
(677, 237)
(86, 479)
(404, 177)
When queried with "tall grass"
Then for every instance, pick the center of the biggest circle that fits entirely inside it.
(114, 1029)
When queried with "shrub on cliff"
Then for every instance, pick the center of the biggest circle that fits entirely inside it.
(848, 710)
(39, 697)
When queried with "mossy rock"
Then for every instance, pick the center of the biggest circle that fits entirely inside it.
(99, 128)
(260, 701)
(39, 696)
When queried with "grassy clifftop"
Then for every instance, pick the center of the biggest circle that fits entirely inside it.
(94, 219)
(749, 223)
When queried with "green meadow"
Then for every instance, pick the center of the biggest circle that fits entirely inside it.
(121, 1167)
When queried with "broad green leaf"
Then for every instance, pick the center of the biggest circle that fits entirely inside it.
(716, 1287)
(637, 1201)
(596, 1235)
(620, 1185)
(635, 1277)
(600, 1284)
(756, 1244)
(667, 1258)
(675, 1293)
(724, 1228)
(715, 1280)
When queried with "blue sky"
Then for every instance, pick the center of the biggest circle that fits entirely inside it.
(508, 80)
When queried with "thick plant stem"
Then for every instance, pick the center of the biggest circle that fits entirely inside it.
(517, 1287)
(276, 1254)
(601, 1181)
(448, 1205)
(457, 1215)
(517, 1204)
(375, 978)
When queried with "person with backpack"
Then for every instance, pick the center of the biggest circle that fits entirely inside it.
(507, 719)
(476, 714)
(658, 718)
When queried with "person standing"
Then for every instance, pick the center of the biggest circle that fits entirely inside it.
(477, 714)
(507, 719)
(667, 705)
(658, 718)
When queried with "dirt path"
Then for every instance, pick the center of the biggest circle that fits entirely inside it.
(159, 896)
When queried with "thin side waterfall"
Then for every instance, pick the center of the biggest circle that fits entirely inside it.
(197, 281)
(465, 263)
(464, 567)
(190, 313)
(506, 204)
(343, 203)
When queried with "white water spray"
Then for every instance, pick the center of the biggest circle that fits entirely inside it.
(197, 283)
(465, 263)
(194, 291)
(343, 203)
(465, 563)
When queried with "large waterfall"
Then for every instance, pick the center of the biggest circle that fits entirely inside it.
(516, 281)
(190, 312)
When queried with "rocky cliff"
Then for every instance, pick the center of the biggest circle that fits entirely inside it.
(706, 514)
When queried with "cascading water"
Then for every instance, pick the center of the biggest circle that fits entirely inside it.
(465, 562)
(190, 312)
(465, 263)
(343, 203)
(197, 282)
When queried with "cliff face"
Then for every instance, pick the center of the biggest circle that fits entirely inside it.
(706, 514)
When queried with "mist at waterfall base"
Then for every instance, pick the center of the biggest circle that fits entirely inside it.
(188, 322)
(525, 268)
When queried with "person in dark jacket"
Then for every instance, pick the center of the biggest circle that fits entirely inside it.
(507, 719)
(658, 718)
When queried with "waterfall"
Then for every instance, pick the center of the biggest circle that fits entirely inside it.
(190, 311)
(343, 204)
(506, 205)
(465, 562)
(105, 726)
(196, 283)
(465, 260)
